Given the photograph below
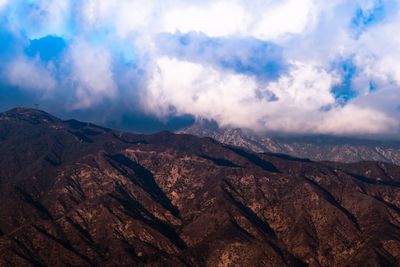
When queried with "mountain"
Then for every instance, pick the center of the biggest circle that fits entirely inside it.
(314, 147)
(76, 194)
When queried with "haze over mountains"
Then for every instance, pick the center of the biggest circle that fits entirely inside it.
(76, 194)
(315, 147)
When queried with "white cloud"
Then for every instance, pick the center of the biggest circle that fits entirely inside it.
(194, 89)
(214, 18)
(96, 13)
(287, 17)
(30, 74)
(134, 16)
(353, 119)
(305, 86)
(181, 87)
(378, 52)
(3, 3)
(91, 74)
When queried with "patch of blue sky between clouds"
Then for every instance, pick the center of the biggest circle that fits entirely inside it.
(47, 48)
(7, 43)
(372, 86)
(344, 92)
(378, 11)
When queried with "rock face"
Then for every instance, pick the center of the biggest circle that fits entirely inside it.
(75, 194)
(319, 148)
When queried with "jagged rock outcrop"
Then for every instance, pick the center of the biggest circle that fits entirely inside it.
(75, 194)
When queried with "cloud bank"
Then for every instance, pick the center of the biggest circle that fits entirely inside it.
(291, 66)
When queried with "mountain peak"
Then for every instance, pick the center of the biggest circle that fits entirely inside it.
(24, 110)
(31, 115)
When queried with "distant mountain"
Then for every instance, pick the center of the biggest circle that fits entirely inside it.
(76, 194)
(317, 147)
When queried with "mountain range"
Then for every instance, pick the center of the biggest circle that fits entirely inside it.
(314, 147)
(77, 194)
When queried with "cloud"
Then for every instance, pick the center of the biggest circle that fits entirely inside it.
(242, 55)
(287, 17)
(236, 100)
(30, 75)
(3, 4)
(287, 66)
(239, 100)
(214, 18)
(91, 74)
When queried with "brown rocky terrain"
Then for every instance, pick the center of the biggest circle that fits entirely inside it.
(76, 194)
(315, 147)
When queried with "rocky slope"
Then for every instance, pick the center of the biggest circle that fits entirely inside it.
(320, 148)
(75, 194)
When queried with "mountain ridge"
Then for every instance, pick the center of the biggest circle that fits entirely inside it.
(76, 194)
(314, 147)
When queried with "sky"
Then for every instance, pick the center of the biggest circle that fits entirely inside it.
(276, 66)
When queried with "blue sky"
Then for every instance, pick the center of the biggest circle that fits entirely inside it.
(291, 66)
